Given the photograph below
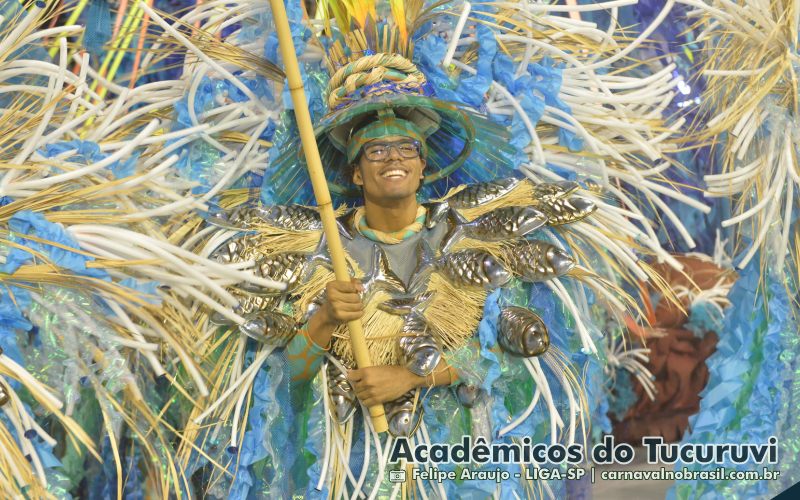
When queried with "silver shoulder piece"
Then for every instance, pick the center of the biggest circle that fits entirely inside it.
(539, 261)
(522, 332)
(346, 224)
(287, 267)
(289, 217)
(380, 276)
(342, 395)
(269, 327)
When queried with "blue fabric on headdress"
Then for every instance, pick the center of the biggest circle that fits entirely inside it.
(89, 152)
(26, 222)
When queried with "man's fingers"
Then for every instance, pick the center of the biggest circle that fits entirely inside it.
(354, 375)
(347, 287)
(341, 296)
(348, 306)
(358, 285)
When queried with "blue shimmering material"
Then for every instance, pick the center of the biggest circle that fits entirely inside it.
(749, 379)
(26, 222)
(88, 152)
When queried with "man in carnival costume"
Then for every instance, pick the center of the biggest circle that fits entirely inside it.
(481, 305)
(426, 273)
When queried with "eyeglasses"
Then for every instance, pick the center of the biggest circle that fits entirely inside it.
(379, 151)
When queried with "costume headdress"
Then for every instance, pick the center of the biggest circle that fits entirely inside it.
(124, 292)
(376, 90)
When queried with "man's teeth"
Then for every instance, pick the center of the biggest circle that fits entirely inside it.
(395, 173)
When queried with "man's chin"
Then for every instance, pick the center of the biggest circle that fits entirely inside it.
(393, 195)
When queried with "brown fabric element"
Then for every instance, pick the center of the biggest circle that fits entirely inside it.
(677, 359)
(678, 362)
(698, 274)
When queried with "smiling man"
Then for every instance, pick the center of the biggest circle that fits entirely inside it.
(387, 159)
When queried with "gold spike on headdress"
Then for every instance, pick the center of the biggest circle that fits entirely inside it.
(364, 30)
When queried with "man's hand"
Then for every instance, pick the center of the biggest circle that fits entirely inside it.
(380, 384)
(343, 302)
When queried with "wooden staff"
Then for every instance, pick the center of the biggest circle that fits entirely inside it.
(320, 185)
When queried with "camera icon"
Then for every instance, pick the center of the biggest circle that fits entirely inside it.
(397, 476)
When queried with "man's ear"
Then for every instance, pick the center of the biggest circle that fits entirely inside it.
(422, 171)
(357, 179)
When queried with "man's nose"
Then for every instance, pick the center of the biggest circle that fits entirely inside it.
(394, 153)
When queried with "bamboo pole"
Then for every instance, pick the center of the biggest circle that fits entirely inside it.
(320, 186)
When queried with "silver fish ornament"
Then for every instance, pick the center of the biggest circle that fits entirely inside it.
(286, 267)
(547, 191)
(481, 192)
(295, 218)
(231, 251)
(468, 394)
(567, 210)
(497, 225)
(522, 332)
(342, 394)
(538, 260)
(420, 353)
(472, 196)
(248, 303)
(402, 306)
(269, 327)
(289, 217)
(467, 268)
(402, 416)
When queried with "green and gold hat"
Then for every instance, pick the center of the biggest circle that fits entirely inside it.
(373, 94)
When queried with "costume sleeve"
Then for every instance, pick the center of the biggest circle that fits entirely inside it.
(304, 356)
(466, 361)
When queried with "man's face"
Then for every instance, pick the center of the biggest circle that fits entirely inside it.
(392, 173)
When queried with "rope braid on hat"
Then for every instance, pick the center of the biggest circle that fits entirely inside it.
(370, 70)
